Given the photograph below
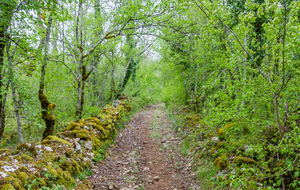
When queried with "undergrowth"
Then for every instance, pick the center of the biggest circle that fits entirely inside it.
(235, 156)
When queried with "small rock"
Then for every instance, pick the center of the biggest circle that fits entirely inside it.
(150, 181)
(33, 170)
(189, 165)
(156, 178)
(90, 154)
(146, 169)
(163, 141)
(215, 139)
(3, 175)
(145, 142)
(10, 168)
(111, 185)
(78, 147)
(48, 148)
(89, 145)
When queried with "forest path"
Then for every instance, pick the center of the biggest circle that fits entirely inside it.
(145, 155)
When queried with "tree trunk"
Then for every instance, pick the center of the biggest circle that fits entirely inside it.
(6, 13)
(131, 67)
(17, 113)
(78, 114)
(13, 86)
(2, 105)
(46, 105)
(81, 84)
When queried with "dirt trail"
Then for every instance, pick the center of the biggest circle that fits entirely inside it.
(145, 156)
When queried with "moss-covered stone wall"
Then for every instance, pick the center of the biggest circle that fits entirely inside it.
(61, 158)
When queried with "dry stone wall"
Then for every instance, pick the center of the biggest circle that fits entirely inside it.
(60, 159)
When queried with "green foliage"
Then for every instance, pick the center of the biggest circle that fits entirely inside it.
(229, 62)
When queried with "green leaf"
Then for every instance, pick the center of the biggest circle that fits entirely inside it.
(279, 182)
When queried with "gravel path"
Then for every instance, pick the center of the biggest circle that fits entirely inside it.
(145, 155)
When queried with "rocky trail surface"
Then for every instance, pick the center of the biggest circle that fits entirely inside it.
(145, 155)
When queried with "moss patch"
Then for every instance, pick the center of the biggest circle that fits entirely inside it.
(57, 139)
(59, 158)
(243, 160)
(221, 162)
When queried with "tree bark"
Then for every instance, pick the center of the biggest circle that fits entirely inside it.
(6, 17)
(131, 67)
(46, 105)
(17, 111)
(13, 86)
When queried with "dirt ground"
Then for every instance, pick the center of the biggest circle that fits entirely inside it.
(146, 155)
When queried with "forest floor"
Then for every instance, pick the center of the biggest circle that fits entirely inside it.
(145, 155)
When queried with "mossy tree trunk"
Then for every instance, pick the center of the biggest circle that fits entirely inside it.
(46, 105)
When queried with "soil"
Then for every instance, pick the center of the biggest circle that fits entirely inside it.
(146, 155)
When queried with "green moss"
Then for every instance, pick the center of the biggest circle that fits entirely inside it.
(52, 171)
(68, 151)
(6, 151)
(242, 159)
(81, 133)
(76, 167)
(15, 182)
(57, 139)
(48, 156)
(96, 142)
(51, 106)
(221, 162)
(26, 148)
(82, 123)
(23, 169)
(94, 119)
(66, 165)
(26, 158)
(50, 117)
(223, 129)
(42, 183)
(22, 176)
(62, 163)
(72, 125)
(65, 178)
(6, 186)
